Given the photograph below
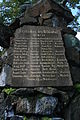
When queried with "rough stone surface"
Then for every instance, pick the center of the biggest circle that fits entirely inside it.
(47, 13)
(27, 19)
(73, 111)
(5, 76)
(2, 105)
(39, 58)
(67, 30)
(4, 36)
(9, 60)
(46, 105)
(24, 91)
(75, 71)
(71, 41)
(23, 106)
(1, 64)
(72, 45)
(40, 101)
(73, 54)
(48, 5)
(25, 6)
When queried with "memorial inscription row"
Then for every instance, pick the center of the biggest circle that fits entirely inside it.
(39, 58)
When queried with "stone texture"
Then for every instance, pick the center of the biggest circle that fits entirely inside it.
(68, 30)
(46, 105)
(63, 96)
(5, 76)
(28, 20)
(72, 45)
(75, 71)
(42, 100)
(46, 13)
(25, 6)
(1, 64)
(5, 34)
(37, 103)
(24, 92)
(9, 60)
(23, 106)
(73, 111)
(2, 104)
(71, 41)
(48, 5)
(39, 58)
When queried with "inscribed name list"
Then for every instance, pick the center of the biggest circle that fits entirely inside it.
(39, 58)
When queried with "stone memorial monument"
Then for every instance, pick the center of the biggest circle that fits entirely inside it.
(40, 58)
(39, 53)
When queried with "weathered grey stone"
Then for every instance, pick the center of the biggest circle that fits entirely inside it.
(24, 92)
(45, 19)
(46, 15)
(73, 111)
(35, 62)
(72, 45)
(53, 21)
(1, 98)
(73, 54)
(1, 64)
(46, 105)
(23, 106)
(8, 73)
(2, 105)
(25, 6)
(28, 19)
(9, 112)
(9, 60)
(5, 34)
(68, 30)
(39, 14)
(75, 71)
(71, 41)
(37, 103)
(53, 91)
(47, 22)
(32, 100)
(34, 118)
(48, 5)
(3, 77)
(26, 105)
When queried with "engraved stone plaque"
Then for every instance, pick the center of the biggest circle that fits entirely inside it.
(39, 58)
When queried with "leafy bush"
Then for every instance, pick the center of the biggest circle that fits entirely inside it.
(8, 90)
